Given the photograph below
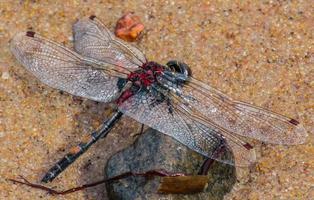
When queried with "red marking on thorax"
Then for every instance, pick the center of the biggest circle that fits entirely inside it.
(146, 76)
(142, 78)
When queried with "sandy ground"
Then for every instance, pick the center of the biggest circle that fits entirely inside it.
(261, 53)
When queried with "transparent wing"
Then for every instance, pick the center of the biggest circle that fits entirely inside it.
(172, 121)
(93, 39)
(240, 118)
(64, 69)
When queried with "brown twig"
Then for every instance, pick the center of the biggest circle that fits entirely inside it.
(151, 173)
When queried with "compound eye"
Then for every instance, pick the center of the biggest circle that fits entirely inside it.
(179, 67)
(174, 66)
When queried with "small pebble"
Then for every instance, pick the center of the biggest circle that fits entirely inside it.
(129, 27)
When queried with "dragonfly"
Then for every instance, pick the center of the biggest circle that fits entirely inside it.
(167, 98)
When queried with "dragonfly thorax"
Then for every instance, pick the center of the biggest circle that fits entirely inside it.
(146, 75)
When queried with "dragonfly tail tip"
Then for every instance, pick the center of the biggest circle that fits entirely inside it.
(46, 179)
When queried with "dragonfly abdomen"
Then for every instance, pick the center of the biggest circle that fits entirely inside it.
(78, 150)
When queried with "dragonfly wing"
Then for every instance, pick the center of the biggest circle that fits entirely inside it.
(93, 39)
(242, 118)
(145, 108)
(63, 69)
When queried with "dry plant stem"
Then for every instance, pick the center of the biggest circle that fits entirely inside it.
(148, 174)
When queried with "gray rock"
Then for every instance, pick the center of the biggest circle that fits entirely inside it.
(154, 150)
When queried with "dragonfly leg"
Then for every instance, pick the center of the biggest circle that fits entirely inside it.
(140, 133)
(209, 161)
(148, 174)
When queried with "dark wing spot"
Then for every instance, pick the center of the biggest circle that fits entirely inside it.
(92, 17)
(30, 33)
(294, 122)
(248, 146)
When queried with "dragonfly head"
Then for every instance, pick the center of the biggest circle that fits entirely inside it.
(182, 70)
